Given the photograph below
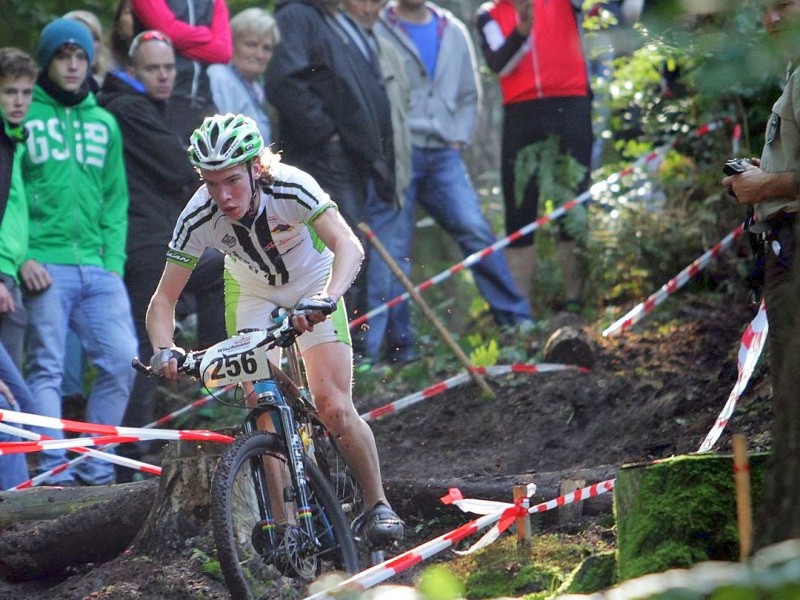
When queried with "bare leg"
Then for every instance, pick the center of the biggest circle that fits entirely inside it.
(329, 371)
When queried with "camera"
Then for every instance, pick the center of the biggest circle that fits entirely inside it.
(735, 166)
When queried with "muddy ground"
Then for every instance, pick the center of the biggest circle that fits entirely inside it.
(654, 392)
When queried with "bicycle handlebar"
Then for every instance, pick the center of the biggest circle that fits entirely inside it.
(283, 334)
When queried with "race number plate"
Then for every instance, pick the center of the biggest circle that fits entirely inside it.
(240, 358)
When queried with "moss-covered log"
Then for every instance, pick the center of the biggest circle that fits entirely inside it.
(678, 512)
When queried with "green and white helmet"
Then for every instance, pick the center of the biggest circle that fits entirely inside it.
(223, 141)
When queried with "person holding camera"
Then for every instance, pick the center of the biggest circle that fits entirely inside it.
(771, 185)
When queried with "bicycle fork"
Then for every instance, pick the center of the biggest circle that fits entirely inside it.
(271, 402)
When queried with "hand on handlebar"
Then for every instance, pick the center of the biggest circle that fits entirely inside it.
(307, 312)
(165, 362)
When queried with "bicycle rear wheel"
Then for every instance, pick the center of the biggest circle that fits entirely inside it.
(251, 546)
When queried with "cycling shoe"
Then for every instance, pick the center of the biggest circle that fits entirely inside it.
(379, 525)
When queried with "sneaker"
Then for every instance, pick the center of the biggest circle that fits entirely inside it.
(379, 525)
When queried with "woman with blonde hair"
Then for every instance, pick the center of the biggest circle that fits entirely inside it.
(237, 87)
(102, 55)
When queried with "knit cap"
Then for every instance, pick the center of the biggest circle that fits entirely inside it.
(60, 32)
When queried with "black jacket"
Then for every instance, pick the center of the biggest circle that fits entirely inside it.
(160, 177)
(320, 83)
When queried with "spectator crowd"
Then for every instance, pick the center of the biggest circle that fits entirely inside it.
(377, 102)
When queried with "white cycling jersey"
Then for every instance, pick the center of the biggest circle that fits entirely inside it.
(278, 246)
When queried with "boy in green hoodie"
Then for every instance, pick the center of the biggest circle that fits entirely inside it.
(78, 202)
(17, 74)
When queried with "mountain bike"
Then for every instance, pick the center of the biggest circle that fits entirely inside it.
(281, 496)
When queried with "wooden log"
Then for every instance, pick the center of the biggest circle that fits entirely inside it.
(92, 532)
(570, 345)
(37, 504)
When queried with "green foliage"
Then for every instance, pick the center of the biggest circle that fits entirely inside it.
(557, 176)
(534, 571)
(439, 583)
(485, 355)
(735, 592)
(210, 566)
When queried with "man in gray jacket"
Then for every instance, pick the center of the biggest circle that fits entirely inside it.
(445, 92)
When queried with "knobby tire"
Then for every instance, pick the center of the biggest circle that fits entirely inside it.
(235, 516)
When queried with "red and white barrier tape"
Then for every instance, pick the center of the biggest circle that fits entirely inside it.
(134, 433)
(165, 419)
(456, 380)
(533, 226)
(514, 511)
(638, 312)
(383, 571)
(502, 243)
(508, 513)
(749, 352)
(101, 440)
(112, 458)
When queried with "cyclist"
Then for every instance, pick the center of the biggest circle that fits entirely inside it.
(286, 245)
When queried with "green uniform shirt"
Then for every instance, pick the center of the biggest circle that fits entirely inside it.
(782, 144)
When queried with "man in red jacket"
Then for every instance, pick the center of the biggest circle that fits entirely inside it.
(536, 48)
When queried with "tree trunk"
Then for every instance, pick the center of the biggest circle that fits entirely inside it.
(182, 505)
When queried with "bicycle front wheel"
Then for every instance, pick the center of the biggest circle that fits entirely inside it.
(257, 540)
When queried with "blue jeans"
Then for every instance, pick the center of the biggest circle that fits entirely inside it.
(392, 229)
(12, 324)
(441, 185)
(74, 366)
(13, 468)
(93, 303)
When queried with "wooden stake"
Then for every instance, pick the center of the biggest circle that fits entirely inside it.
(426, 310)
(744, 509)
(523, 523)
